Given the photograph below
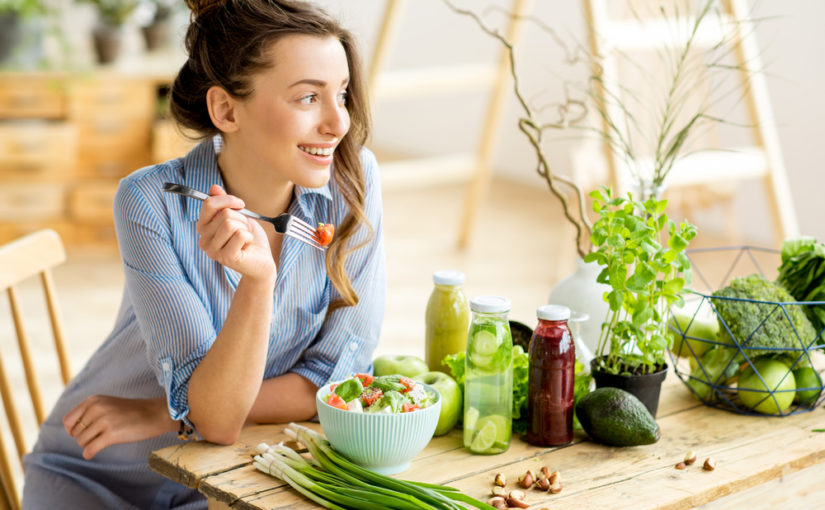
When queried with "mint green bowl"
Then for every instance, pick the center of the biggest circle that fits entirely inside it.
(384, 443)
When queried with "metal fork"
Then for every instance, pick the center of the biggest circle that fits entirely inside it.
(284, 223)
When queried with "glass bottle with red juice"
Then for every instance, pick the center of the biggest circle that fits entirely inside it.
(550, 383)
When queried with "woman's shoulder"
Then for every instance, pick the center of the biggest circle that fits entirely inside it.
(147, 182)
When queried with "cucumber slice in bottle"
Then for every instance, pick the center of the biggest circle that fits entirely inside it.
(485, 343)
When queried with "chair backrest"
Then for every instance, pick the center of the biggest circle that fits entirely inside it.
(32, 256)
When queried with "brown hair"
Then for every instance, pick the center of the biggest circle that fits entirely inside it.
(227, 42)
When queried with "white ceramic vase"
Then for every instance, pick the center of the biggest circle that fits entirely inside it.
(583, 295)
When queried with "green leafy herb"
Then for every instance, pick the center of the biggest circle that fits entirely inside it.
(802, 273)
(350, 389)
(387, 383)
(391, 399)
(646, 274)
(581, 387)
(817, 430)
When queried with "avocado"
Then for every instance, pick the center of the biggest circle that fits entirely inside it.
(615, 417)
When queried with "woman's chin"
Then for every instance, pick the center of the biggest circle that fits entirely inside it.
(314, 179)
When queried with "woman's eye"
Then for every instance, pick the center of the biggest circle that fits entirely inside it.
(307, 99)
(342, 97)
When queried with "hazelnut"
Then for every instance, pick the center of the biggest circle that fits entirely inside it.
(499, 491)
(526, 480)
(516, 500)
(498, 503)
(543, 484)
(709, 465)
(545, 472)
(690, 458)
(681, 465)
(500, 480)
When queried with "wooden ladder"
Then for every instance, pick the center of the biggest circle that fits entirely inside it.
(472, 167)
(708, 168)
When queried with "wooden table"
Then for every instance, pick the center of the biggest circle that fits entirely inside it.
(762, 462)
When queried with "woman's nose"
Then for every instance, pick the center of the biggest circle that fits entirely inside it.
(335, 120)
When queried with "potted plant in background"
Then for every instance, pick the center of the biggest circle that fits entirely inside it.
(14, 15)
(641, 252)
(157, 33)
(108, 32)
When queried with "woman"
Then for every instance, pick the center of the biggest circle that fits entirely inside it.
(223, 321)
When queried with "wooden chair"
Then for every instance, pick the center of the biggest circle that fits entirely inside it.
(30, 256)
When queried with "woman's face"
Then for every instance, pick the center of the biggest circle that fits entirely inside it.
(296, 114)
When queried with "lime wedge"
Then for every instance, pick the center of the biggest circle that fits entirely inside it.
(470, 419)
(499, 423)
(484, 438)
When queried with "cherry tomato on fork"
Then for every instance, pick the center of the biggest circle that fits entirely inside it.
(324, 233)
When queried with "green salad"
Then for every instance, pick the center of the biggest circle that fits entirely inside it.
(388, 394)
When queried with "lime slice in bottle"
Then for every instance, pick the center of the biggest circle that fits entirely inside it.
(484, 438)
(470, 419)
(499, 423)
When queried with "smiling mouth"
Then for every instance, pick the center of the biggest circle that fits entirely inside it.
(317, 151)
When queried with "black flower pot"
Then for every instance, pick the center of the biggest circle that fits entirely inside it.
(107, 43)
(644, 387)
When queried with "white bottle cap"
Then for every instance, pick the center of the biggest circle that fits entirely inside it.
(553, 313)
(448, 277)
(490, 304)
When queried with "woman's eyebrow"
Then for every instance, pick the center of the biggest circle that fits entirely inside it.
(316, 83)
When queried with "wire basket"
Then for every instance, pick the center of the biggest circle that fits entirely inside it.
(718, 361)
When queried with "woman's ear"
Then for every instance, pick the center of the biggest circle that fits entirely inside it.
(221, 107)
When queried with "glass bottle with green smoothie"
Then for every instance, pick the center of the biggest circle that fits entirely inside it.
(488, 377)
(447, 319)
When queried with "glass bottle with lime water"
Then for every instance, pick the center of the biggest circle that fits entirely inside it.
(488, 377)
(447, 319)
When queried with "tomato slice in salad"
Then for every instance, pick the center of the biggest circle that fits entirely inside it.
(366, 379)
(407, 408)
(336, 401)
(408, 384)
(370, 395)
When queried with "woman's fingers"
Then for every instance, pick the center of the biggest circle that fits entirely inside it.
(217, 201)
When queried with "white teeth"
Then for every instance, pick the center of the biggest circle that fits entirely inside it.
(317, 151)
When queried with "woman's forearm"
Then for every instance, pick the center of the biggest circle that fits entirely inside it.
(225, 384)
(288, 397)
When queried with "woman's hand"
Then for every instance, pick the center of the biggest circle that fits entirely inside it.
(101, 421)
(234, 240)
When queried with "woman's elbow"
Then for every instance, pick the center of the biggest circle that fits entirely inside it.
(219, 433)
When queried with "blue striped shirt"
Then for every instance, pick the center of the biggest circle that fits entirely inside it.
(176, 300)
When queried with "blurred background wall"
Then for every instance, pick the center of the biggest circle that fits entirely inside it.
(789, 36)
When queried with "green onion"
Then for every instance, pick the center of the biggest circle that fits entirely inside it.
(334, 482)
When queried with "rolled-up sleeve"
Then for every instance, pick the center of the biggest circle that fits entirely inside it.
(349, 335)
(174, 322)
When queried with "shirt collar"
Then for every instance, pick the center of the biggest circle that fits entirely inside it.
(200, 172)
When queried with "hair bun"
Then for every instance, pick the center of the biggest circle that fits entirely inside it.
(198, 7)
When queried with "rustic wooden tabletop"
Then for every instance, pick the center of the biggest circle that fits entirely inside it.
(759, 461)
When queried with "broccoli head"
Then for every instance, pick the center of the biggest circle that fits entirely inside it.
(762, 324)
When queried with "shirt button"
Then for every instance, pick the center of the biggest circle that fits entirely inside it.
(353, 346)
(166, 365)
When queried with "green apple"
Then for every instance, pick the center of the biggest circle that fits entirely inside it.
(807, 377)
(451, 399)
(408, 366)
(702, 328)
(777, 379)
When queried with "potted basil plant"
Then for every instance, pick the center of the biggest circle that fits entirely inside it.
(641, 252)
